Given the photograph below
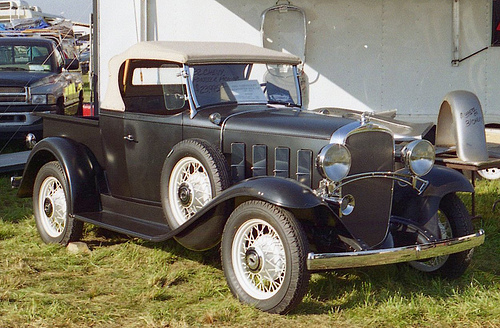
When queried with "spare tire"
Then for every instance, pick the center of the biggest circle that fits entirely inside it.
(193, 174)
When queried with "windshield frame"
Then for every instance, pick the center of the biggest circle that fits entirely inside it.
(196, 106)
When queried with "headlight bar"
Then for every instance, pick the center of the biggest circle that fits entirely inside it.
(415, 182)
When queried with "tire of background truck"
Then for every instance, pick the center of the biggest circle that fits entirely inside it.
(490, 174)
(454, 221)
(50, 207)
(263, 253)
(194, 173)
(79, 111)
(60, 107)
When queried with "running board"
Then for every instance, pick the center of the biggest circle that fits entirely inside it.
(127, 225)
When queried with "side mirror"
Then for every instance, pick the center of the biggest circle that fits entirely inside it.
(71, 64)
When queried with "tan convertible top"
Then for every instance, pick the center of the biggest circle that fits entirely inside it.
(187, 52)
(206, 52)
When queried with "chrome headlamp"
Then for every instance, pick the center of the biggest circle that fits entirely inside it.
(418, 156)
(334, 162)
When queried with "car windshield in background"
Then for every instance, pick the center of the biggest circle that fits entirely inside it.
(25, 58)
(244, 84)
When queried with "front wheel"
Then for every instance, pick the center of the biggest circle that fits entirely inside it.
(264, 253)
(453, 221)
(50, 206)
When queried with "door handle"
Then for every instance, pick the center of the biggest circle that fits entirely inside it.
(130, 138)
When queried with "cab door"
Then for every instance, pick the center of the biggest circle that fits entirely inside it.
(155, 105)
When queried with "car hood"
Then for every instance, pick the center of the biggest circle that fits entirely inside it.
(285, 121)
(21, 78)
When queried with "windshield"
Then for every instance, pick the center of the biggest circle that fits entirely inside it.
(244, 84)
(25, 58)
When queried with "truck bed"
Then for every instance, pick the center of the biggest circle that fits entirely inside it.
(85, 130)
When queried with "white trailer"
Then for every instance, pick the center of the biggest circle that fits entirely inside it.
(360, 54)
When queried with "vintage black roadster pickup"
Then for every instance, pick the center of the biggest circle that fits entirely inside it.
(207, 143)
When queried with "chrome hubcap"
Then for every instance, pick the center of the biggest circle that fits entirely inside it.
(253, 260)
(48, 207)
(259, 259)
(189, 189)
(52, 207)
(185, 195)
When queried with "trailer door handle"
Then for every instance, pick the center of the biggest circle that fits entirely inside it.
(130, 138)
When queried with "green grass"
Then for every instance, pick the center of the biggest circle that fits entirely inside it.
(126, 282)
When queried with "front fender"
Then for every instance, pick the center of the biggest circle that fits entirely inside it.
(409, 204)
(204, 230)
(282, 192)
(79, 164)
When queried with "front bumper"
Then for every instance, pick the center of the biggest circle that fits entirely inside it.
(330, 261)
(15, 126)
(26, 108)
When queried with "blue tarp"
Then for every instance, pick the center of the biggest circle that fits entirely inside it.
(24, 24)
(29, 23)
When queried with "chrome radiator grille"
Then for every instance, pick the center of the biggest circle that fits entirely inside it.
(13, 95)
(372, 150)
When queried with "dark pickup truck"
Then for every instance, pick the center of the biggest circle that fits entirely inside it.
(35, 78)
(207, 143)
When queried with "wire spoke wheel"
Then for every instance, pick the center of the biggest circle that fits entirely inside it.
(264, 252)
(435, 263)
(453, 221)
(52, 206)
(190, 189)
(258, 259)
(193, 174)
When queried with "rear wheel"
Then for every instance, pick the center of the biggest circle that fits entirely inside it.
(264, 253)
(454, 221)
(50, 206)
